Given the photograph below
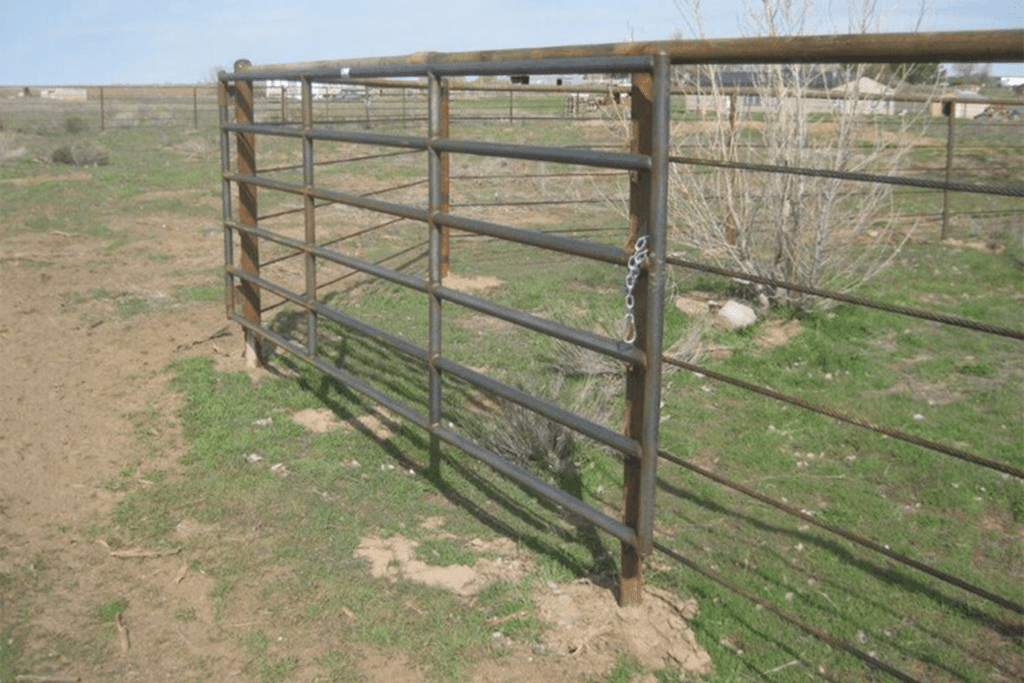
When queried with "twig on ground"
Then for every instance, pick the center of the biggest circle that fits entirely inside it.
(139, 553)
(122, 634)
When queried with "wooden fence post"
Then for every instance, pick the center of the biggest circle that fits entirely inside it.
(949, 168)
(247, 213)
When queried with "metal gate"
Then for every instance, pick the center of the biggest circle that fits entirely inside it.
(640, 251)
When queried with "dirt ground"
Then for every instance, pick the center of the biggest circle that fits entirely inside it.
(84, 396)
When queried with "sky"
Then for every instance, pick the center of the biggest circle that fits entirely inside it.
(82, 42)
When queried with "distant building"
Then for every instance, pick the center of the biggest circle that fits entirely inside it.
(1011, 81)
(65, 94)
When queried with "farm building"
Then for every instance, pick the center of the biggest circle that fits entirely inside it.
(292, 90)
(961, 109)
(65, 94)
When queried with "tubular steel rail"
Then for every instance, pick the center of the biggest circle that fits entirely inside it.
(647, 162)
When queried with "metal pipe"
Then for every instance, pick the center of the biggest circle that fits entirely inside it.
(538, 485)
(945, 185)
(560, 243)
(600, 433)
(365, 329)
(359, 137)
(434, 261)
(564, 155)
(358, 201)
(618, 350)
(309, 216)
(849, 298)
(655, 318)
(346, 378)
(395, 276)
(223, 101)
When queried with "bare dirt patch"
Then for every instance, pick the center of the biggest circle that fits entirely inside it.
(320, 420)
(584, 620)
(395, 557)
(584, 624)
(472, 284)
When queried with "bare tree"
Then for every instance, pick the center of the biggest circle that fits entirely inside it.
(810, 230)
(971, 71)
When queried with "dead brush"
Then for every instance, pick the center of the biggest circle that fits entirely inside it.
(534, 441)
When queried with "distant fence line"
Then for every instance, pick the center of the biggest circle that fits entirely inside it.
(384, 102)
(388, 100)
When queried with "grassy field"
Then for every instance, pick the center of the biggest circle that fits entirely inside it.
(288, 543)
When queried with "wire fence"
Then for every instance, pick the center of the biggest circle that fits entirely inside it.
(352, 172)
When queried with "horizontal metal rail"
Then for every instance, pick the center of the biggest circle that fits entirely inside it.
(588, 428)
(531, 481)
(566, 418)
(837, 643)
(618, 350)
(848, 535)
(957, 453)
(955, 185)
(849, 298)
(549, 241)
(395, 276)
(538, 485)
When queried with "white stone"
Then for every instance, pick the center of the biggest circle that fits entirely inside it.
(734, 315)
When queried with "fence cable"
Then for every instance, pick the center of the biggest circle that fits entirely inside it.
(848, 535)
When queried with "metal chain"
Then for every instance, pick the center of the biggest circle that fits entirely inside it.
(634, 264)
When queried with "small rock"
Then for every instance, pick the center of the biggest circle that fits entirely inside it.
(734, 316)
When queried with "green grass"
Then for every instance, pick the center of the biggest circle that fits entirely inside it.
(108, 611)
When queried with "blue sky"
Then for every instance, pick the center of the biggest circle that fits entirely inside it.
(46, 42)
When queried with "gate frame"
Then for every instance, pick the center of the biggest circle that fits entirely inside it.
(648, 162)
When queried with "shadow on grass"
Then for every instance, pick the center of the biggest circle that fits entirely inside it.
(405, 380)
(890, 575)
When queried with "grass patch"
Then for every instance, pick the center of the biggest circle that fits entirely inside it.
(107, 612)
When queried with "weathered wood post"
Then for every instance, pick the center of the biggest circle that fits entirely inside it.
(245, 143)
(951, 129)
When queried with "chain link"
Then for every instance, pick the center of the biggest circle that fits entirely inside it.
(634, 265)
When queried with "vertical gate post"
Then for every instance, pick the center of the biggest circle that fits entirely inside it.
(103, 113)
(436, 197)
(223, 115)
(247, 212)
(444, 169)
(648, 196)
(949, 168)
(309, 215)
